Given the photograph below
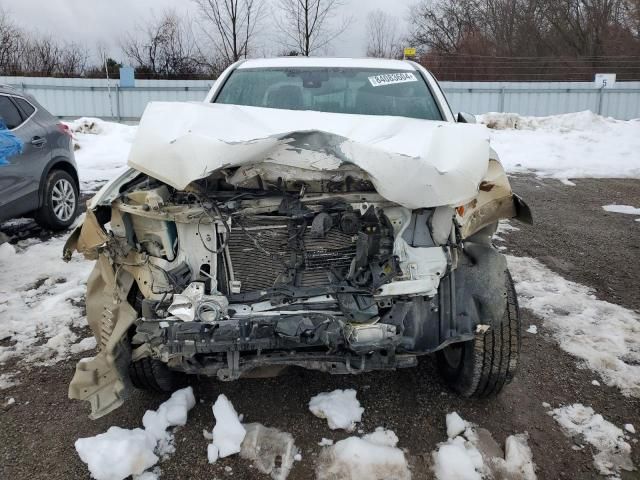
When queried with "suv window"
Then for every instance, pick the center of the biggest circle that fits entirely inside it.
(9, 113)
(26, 107)
(400, 93)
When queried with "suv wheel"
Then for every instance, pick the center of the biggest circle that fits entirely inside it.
(481, 367)
(60, 206)
(153, 375)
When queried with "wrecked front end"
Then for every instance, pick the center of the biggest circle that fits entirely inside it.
(256, 267)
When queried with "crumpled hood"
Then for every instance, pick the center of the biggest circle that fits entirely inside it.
(415, 163)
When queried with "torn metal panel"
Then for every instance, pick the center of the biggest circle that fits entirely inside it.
(414, 163)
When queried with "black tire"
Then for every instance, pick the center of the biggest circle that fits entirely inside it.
(55, 213)
(483, 366)
(153, 375)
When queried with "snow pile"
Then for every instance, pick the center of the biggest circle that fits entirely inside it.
(341, 408)
(577, 320)
(532, 329)
(613, 452)
(119, 452)
(473, 454)
(41, 301)
(373, 456)
(228, 432)
(573, 145)
(103, 149)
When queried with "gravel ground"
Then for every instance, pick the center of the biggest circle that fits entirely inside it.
(572, 235)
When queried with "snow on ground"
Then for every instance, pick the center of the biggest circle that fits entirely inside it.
(374, 456)
(613, 453)
(102, 149)
(575, 317)
(573, 145)
(341, 408)
(7, 381)
(471, 453)
(119, 453)
(628, 209)
(40, 299)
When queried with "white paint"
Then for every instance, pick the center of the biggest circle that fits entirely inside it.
(415, 163)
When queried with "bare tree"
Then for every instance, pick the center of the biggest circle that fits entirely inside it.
(309, 25)
(73, 60)
(382, 37)
(11, 42)
(41, 55)
(231, 25)
(167, 47)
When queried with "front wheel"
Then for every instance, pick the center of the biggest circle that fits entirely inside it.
(482, 366)
(60, 206)
(153, 375)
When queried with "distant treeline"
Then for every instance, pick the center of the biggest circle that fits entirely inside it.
(456, 39)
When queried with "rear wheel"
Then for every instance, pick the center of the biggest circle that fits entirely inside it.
(60, 206)
(481, 367)
(153, 375)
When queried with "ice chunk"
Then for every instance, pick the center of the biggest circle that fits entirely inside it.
(272, 451)
(374, 457)
(325, 442)
(457, 460)
(532, 329)
(171, 413)
(455, 425)
(471, 453)
(212, 453)
(341, 408)
(117, 453)
(518, 461)
(228, 432)
(629, 428)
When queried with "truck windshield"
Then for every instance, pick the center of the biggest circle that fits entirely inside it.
(361, 91)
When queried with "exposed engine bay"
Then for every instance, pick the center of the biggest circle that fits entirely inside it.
(222, 272)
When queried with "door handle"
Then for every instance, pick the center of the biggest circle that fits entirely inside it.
(38, 141)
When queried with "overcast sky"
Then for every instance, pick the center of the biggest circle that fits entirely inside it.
(94, 22)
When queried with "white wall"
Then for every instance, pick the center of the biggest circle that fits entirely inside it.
(76, 97)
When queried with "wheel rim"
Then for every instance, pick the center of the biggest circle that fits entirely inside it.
(63, 200)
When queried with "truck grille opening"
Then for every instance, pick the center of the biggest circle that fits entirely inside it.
(260, 251)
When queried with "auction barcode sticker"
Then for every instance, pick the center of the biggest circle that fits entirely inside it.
(391, 78)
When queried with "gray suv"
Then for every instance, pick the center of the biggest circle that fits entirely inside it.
(42, 180)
